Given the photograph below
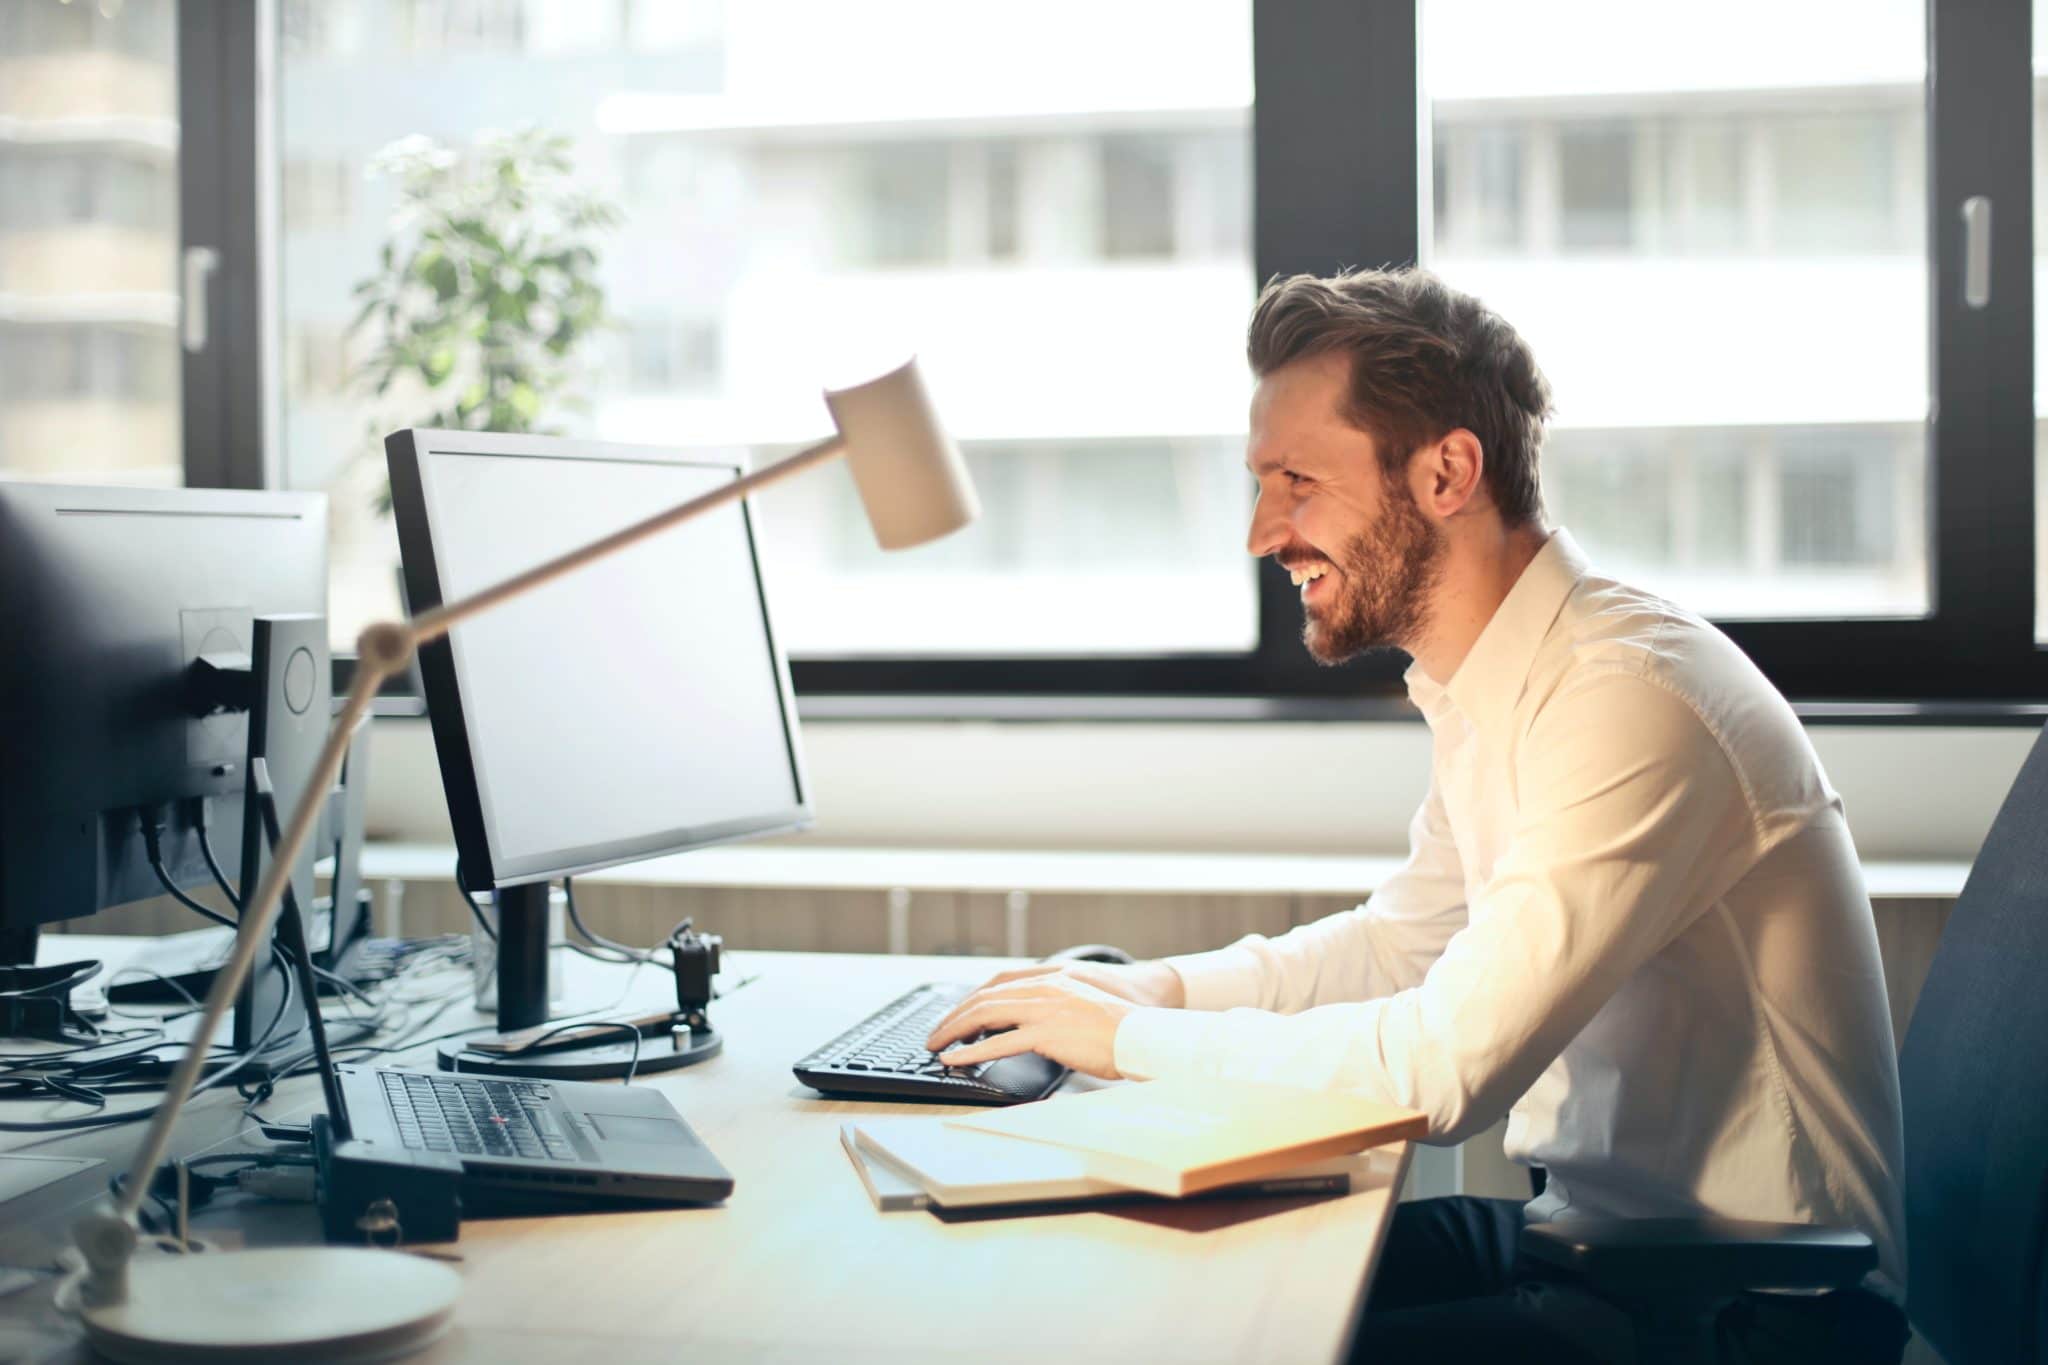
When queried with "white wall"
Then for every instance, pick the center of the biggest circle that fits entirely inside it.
(1912, 792)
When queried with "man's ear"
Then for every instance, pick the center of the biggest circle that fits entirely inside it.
(1449, 472)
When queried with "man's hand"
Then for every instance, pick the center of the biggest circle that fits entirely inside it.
(1065, 1011)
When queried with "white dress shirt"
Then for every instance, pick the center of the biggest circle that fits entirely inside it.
(1631, 919)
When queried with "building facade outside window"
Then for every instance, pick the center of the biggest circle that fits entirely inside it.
(1721, 262)
(89, 360)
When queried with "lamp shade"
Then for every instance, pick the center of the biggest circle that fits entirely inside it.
(912, 480)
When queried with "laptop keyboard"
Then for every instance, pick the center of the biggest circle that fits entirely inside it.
(476, 1117)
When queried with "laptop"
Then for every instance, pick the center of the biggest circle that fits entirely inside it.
(535, 1146)
(526, 1146)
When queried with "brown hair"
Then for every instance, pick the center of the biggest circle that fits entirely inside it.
(1425, 360)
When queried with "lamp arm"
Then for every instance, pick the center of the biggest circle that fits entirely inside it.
(250, 937)
(383, 651)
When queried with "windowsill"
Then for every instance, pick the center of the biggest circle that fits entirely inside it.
(831, 709)
(795, 866)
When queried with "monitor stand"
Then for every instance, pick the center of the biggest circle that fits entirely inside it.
(670, 1039)
(18, 946)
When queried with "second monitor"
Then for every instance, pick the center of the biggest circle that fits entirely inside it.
(639, 708)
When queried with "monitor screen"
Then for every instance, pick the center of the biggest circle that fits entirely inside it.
(636, 707)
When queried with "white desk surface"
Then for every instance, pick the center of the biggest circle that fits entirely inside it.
(799, 1266)
(797, 866)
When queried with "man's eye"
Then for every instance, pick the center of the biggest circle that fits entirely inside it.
(1295, 479)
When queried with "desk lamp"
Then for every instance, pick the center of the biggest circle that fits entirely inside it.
(341, 1303)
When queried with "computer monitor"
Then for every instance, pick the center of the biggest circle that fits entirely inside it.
(110, 595)
(637, 708)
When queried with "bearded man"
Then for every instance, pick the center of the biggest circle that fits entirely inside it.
(1631, 920)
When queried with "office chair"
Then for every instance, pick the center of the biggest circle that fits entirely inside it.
(1974, 1082)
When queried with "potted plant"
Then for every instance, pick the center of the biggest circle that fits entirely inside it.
(477, 317)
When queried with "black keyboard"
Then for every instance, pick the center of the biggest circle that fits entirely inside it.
(884, 1056)
(476, 1117)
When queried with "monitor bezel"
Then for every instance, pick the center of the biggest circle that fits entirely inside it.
(481, 868)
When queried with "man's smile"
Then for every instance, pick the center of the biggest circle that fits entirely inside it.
(1309, 576)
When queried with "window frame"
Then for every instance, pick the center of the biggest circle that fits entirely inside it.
(1976, 644)
(226, 204)
(1325, 200)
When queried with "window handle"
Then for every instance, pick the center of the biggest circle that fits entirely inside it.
(1977, 251)
(200, 263)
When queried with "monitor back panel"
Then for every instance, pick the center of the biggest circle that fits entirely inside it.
(109, 594)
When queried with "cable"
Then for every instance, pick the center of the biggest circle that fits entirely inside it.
(625, 952)
(412, 1041)
(190, 999)
(75, 1081)
(205, 1084)
(12, 1060)
(220, 878)
(152, 833)
(256, 1050)
(483, 923)
(346, 986)
(632, 1066)
(76, 974)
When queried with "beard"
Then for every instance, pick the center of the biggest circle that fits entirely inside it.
(1388, 573)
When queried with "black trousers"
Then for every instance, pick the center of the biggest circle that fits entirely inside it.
(1451, 1288)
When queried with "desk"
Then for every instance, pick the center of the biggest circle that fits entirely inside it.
(799, 1266)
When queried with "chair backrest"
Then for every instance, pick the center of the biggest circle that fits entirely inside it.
(1974, 1076)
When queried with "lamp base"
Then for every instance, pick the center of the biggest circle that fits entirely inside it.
(324, 1305)
(600, 1060)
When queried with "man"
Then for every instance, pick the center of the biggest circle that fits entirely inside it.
(1632, 919)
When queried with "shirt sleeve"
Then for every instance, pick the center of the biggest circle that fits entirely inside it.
(1374, 949)
(1631, 821)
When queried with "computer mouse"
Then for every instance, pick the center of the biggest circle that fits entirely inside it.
(1091, 952)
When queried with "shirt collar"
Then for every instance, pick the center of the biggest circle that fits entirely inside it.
(1490, 679)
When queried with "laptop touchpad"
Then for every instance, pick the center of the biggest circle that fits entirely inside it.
(634, 1128)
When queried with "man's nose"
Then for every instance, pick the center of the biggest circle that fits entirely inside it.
(1269, 528)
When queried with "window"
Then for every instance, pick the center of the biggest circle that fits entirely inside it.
(1478, 185)
(89, 360)
(1733, 235)
(1705, 255)
(999, 167)
(1071, 258)
(1137, 197)
(319, 194)
(1705, 208)
(1596, 165)
(901, 203)
(434, 27)
(671, 355)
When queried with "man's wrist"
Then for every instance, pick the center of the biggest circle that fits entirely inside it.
(1161, 985)
(1218, 980)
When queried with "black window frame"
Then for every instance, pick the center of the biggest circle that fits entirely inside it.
(1339, 142)
(225, 51)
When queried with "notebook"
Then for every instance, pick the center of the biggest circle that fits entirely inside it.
(1182, 1136)
(915, 1163)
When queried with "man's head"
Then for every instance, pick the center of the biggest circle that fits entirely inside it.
(1393, 416)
